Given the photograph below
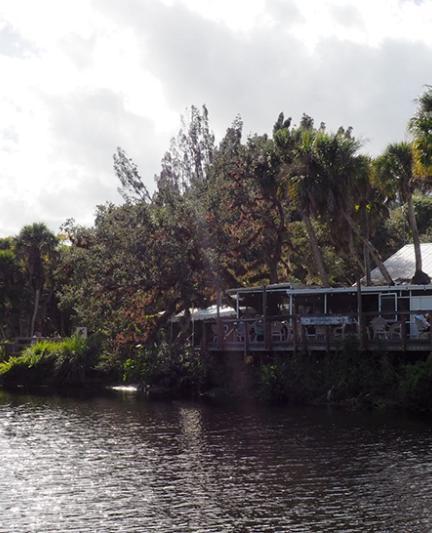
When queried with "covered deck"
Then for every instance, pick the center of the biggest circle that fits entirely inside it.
(281, 318)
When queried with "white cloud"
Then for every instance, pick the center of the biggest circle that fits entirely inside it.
(80, 78)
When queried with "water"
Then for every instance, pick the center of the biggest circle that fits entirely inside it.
(122, 464)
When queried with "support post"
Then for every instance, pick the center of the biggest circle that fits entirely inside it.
(204, 336)
(404, 331)
(265, 325)
(219, 322)
(327, 330)
(360, 324)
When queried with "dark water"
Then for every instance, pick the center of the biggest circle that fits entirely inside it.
(121, 464)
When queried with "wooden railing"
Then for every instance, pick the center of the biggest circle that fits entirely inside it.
(395, 331)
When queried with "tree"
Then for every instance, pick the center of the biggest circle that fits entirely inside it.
(246, 200)
(420, 126)
(300, 171)
(132, 184)
(12, 294)
(336, 169)
(36, 247)
(191, 152)
(395, 176)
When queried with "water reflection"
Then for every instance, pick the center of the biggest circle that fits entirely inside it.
(122, 464)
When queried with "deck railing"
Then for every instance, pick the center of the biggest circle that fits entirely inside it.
(403, 330)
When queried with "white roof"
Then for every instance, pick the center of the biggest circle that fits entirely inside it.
(209, 312)
(401, 265)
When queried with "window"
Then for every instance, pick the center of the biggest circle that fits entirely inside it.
(388, 305)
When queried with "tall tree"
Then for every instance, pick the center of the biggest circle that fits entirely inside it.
(12, 291)
(420, 126)
(301, 173)
(395, 176)
(36, 246)
(191, 152)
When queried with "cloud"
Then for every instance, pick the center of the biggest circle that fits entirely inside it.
(347, 15)
(371, 88)
(103, 74)
(89, 125)
(12, 43)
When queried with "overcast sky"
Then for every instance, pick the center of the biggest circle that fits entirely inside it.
(79, 78)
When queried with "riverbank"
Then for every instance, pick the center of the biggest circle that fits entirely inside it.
(350, 379)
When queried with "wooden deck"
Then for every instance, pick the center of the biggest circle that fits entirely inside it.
(297, 334)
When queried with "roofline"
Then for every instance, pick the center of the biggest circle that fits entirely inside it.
(289, 289)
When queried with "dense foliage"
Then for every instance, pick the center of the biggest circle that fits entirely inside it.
(58, 362)
(349, 377)
(302, 204)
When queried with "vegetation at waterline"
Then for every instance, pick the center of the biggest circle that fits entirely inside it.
(350, 378)
(168, 368)
(300, 204)
(68, 361)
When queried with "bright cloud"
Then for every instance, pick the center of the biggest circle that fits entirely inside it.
(80, 78)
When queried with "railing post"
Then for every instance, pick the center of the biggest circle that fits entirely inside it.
(364, 332)
(220, 334)
(327, 330)
(295, 332)
(304, 338)
(204, 335)
(265, 325)
(246, 337)
(404, 331)
(430, 333)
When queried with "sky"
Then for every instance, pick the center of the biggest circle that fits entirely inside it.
(80, 78)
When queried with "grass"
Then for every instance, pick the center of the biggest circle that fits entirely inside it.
(62, 362)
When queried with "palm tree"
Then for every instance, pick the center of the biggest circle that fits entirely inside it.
(339, 170)
(420, 126)
(394, 174)
(35, 245)
(304, 190)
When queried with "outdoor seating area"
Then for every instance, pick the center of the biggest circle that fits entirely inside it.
(283, 318)
(293, 334)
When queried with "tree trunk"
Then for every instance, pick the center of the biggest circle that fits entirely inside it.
(366, 254)
(420, 277)
(360, 321)
(35, 311)
(371, 248)
(272, 266)
(353, 255)
(319, 262)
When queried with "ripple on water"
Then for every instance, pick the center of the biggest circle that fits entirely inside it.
(120, 464)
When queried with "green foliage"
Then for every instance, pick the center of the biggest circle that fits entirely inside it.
(423, 210)
(421, 127)
(292, 379)
(298, 205)
(49, 362)
(339, 376)
(174, 367)
(349, 377)
(416, 385)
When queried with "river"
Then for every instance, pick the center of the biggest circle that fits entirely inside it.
(119, 463)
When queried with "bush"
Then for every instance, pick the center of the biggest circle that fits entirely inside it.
(339, 376)
(416, 385)
(63, 362)
(171, 366)
(295, 378)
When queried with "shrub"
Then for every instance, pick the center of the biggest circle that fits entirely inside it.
(295, 378)
(49, 362)
(416, 385)
(171, 366)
